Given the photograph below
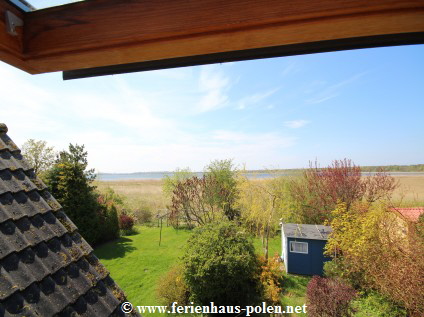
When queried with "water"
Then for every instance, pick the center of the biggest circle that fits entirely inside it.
(260, 175)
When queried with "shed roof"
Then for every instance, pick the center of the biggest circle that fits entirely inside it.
(46, 267)
(315, 232)
(411, 214)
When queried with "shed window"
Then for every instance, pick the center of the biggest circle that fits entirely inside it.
(299, 247)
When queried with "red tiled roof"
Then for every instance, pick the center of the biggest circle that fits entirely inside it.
(411, 214)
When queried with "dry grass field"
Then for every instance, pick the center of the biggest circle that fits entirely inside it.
(139, 194)
(410, 193)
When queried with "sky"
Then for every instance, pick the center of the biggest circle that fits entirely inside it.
(366, 105)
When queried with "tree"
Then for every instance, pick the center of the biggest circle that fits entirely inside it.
(171, 182)
(317, 192)
(193, 199)
(39, 155)
(224, 173)
(259, 201)
(373, 250)
(220, 266)
(70, 182)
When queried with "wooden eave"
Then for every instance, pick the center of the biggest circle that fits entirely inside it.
(169, 33)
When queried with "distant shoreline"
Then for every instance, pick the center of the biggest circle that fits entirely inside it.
(258, 175)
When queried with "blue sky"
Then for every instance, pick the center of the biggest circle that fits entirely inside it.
(366, 105)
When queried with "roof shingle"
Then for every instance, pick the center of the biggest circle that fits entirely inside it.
(46, 267)
(411, 214)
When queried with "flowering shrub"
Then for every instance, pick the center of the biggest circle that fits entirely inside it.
(329, 298)
(271, 279)
(126, 222)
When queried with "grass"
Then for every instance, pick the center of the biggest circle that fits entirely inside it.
(137, 263)
(139, 194)
(294, 291)
(410, 193)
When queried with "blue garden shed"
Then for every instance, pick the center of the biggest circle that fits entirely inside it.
(303, 248)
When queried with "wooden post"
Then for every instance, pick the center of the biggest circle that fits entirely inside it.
(160, 232)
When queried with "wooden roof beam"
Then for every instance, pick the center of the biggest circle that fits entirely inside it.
(168, 33)
(11, 45)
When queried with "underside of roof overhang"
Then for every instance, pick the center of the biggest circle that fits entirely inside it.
(113, 36)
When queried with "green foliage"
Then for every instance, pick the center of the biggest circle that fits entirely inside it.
(39, 155)
(259, 203)
(110, 195)
(339, 269)
(144, 215)
(172, 288)
(395, 168)
(69, 182)
(377, 305)
(220, 266)
(108, 222)
(171, 182)
(224, 173)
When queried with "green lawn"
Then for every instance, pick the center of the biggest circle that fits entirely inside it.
(137, 262)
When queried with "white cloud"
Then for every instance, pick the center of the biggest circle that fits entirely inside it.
(290, 68)
(332, 91)
(118, 123)
(295, 124)
(254, 99)
(213, 85)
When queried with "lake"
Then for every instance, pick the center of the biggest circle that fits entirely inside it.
(261, 175)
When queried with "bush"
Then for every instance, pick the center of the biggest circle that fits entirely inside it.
(339, 269)
(373, 244)
(108, 216)
(220, 266)
(318, 191)
(377, 305)
(172, 287)
(329, 298)
(271, 280)
(126, 222)
(144, 215)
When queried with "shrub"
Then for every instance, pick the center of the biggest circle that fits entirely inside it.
(271, 280)
(372, 243)
(317, 192)
(224, 190)
(329, 298)
(109, 223)
(144, 215)
(172, 288)
(220, 266)
(377, 305)
(337, 268)
(126, 222)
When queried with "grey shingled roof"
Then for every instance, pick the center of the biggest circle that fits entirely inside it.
(315, 232)
(46, 267)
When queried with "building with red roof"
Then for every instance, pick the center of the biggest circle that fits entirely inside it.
(410, 214)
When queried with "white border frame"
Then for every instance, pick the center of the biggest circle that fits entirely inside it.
(307, 247)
